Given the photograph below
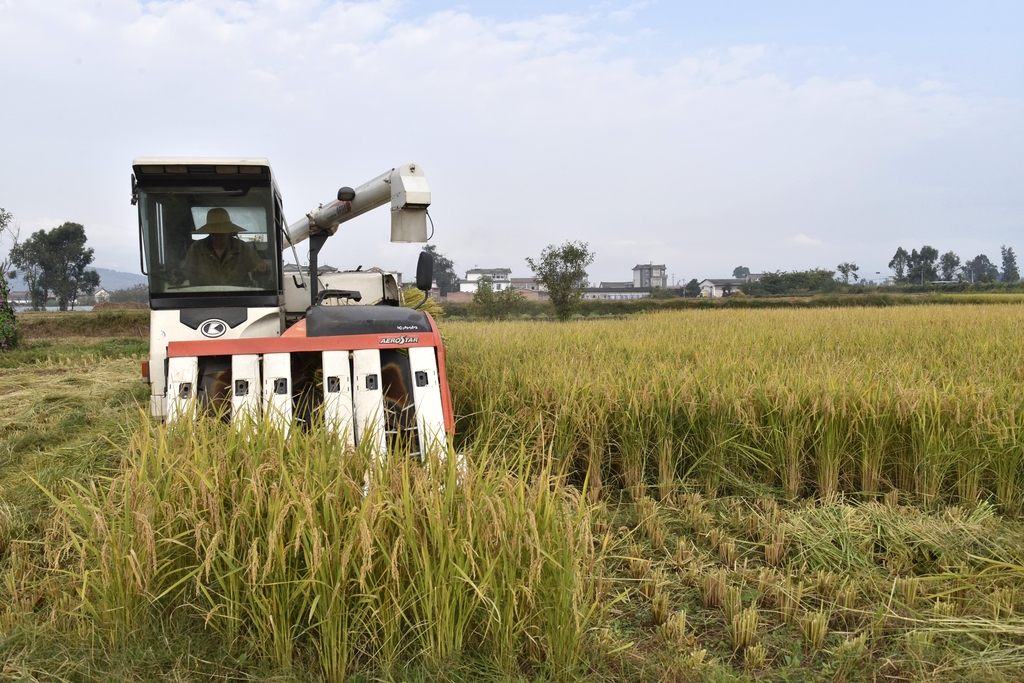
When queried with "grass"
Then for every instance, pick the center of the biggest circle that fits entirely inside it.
(781, 495)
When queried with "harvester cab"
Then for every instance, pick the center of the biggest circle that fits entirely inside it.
(234, 333)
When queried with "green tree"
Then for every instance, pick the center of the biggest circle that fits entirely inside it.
(1010, 272)
(797, 282)
(28, 258)
(692, 288)
(496, 305)
(55, 262)
(899, 263)
(922, 265)
(949, 263)
(563, 270)
(444, 271)
(981, 269)
(740, 271)
(846, 268)
(8, 319)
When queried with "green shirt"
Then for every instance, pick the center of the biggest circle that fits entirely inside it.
(204, 268)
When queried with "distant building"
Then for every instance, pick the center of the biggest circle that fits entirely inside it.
(649, 275)
(616, 285)
(292, 269)
(718, 287)
(603, 293)
(528, 284)
(499, 277)
(101, 296)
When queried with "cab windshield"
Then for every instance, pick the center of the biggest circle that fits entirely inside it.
(208, 241)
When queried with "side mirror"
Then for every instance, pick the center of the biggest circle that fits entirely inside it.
(425, 271)
(346, 194)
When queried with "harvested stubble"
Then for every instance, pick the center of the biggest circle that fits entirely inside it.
(928, 400)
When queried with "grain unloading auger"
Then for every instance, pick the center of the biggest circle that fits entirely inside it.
(234, 333)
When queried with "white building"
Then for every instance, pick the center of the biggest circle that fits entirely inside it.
(603, 293)
(500, 279)
(718, 287)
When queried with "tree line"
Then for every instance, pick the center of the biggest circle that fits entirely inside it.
(926, 265)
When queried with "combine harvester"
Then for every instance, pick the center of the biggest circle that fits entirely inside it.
(232, 334)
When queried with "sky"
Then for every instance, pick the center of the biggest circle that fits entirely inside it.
(702, 136)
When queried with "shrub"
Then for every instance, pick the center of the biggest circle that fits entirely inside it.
(8, 320)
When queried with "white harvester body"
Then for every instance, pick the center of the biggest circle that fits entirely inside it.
(233, 333)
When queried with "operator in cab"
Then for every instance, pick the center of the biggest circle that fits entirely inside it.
(221, 258)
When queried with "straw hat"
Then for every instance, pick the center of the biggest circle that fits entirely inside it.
(218, 221)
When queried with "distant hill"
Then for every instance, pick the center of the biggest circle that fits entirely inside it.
(109, 280)
(115, 279)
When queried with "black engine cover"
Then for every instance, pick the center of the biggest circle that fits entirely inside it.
(332, 321)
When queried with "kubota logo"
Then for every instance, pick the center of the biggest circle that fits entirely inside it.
(399, 340)
(213, 328)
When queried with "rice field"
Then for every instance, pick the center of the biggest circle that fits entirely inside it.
(928, 401)
(782, 495)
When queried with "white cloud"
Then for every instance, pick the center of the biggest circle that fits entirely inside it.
(529, 131)
(805, 241)
(628, 12)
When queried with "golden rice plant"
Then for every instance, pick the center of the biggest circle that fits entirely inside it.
(838, 400)
(271, 542)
